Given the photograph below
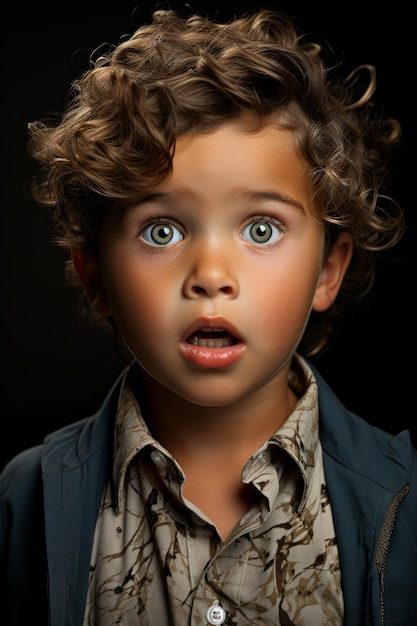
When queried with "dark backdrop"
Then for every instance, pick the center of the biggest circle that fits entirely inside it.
(55, 372)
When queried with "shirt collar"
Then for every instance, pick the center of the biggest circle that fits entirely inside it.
(298, 436)
(131, 435)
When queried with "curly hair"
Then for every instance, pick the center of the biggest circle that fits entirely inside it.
(175, 75)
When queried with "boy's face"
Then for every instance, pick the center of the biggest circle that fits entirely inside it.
(211, 278)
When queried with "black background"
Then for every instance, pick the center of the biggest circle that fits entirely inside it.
(54, 371)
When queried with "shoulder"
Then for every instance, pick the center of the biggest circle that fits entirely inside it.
(351, 441)
(21, 477)
(62, 449)
(22, 472)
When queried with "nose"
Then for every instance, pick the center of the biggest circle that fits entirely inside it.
(210, 275)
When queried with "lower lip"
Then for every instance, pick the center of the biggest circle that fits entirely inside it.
(212, 357)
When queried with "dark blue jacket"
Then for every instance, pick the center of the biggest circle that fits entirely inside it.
(50, 494)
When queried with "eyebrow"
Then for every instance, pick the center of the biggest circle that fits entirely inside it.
(261, 196)
(252, 196)
(149, 197)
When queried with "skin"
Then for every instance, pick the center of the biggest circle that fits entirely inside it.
(215, 406)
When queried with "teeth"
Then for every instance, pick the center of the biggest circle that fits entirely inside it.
(222, 342)
(212, 330)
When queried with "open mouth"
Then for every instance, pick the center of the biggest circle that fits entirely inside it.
(211, 343)
(212, 338)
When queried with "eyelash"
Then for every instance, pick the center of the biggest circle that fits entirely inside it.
(265, 219)
(159, 221)
(145, 232)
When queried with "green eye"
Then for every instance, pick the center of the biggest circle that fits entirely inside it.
(161, 234)
(262, 231)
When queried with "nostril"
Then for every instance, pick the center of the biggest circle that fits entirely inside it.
(206, 283)
(227, 290)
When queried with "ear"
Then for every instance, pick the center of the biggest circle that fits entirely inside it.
(333, 272)
(88, 271)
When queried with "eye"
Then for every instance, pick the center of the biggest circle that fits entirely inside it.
(161, 234)
(262, 230)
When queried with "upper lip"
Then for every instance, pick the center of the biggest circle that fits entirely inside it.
(213, 322)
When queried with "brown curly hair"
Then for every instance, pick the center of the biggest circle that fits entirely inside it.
(179, 74)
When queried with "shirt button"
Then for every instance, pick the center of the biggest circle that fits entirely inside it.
(216, 614)
(262, 457)
(159, 459)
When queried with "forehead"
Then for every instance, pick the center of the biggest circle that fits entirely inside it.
(245, 126)
(240, 155)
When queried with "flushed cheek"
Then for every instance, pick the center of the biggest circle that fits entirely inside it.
(280, 318)
(280, 303)
(143, 308)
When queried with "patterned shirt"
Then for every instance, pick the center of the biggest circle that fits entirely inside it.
(158, 560)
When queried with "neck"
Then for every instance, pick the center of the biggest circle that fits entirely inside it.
(213, 432)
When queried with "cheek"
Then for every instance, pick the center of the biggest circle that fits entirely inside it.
(140, 300)
(283, 294)
(284, 308)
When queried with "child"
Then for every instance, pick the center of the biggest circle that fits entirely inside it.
(221, 195)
